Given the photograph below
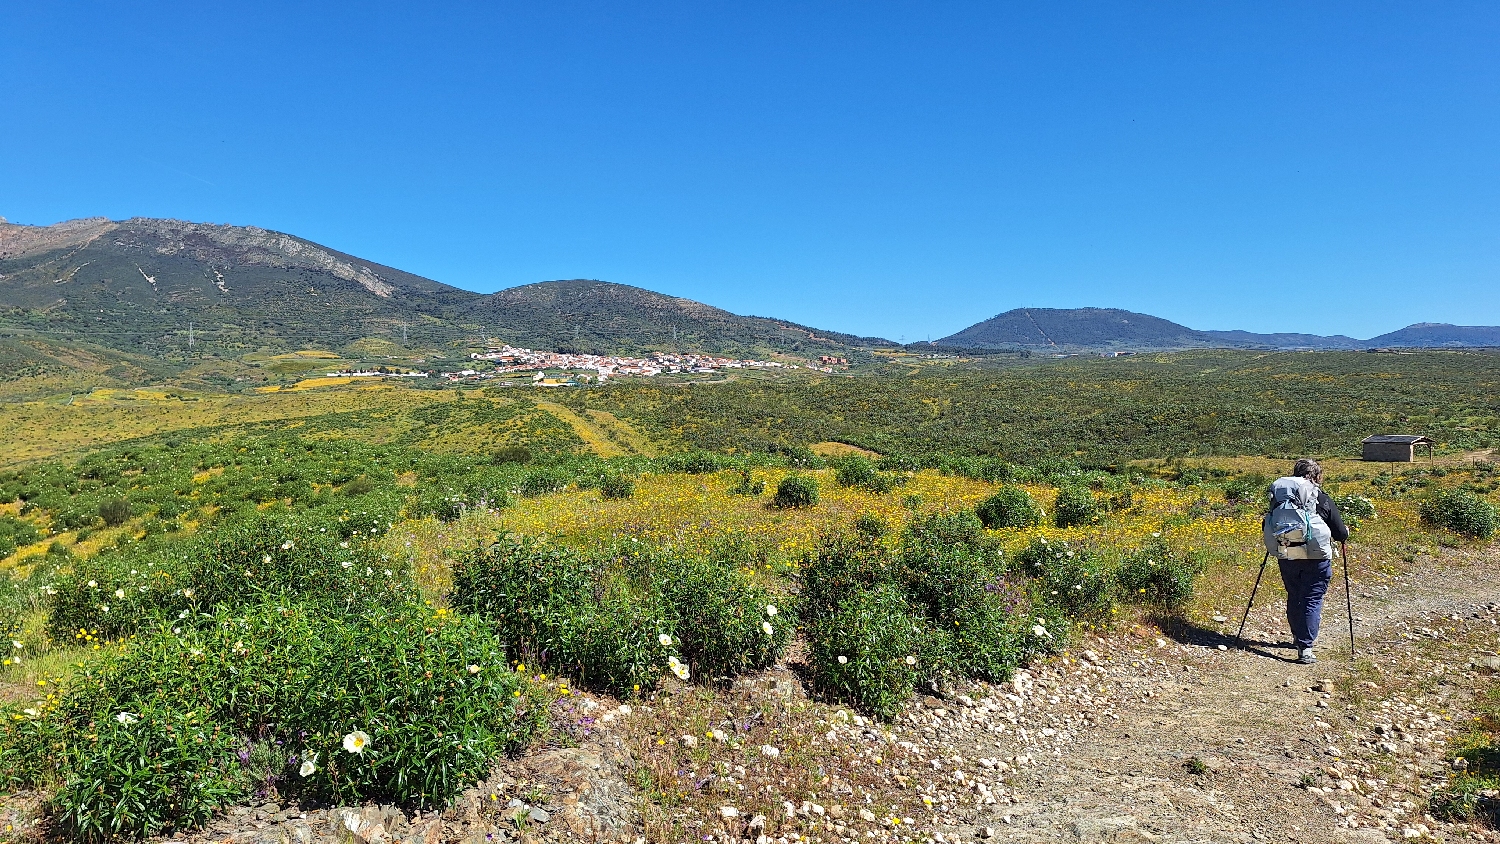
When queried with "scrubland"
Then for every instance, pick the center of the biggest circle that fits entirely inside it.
(361, 594)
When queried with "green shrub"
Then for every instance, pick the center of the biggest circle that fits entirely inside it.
(601, 620)
(747, 485)
(525, 588)
(1155, 575)
(1009, 507)
(512, 454)
(899, 463)
(979, 468)
(118, 592)
(801, 457)
(726, 623)
(431, 691)
(1069, 578)
(939, 532)
(695, 462)
(115, 512)
(561, 611)
(610, 643)
(1248, 489)
(796, 491)
(153, 771)
(861, 473)
(540, 482)
(616, 486)
(15, 533)
(303, 558)
(445, 508)
(300, 558)
(30, 746)
(871, 525)
(840, 566)
(357, 487)
(1461, 512)
(1075, 505)
(974, 614)
(866, 650)
(1354, 509)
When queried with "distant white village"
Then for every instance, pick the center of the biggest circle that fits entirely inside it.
(511, 360)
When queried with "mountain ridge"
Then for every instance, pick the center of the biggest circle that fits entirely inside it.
(169, 287)
(1114, 329)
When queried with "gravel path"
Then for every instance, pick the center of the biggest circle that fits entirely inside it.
(1169, 738)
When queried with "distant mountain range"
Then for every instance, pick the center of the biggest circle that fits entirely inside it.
(1111, 329)
(165, 289)
(166, 286)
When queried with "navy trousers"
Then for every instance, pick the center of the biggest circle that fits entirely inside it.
(1306, 583)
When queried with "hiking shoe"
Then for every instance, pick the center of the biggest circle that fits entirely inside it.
(1305, 657)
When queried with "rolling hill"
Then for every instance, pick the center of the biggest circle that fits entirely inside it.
(1111, 329)
(600, 317)
(1438, 334)
(1069, 328)
(168, 288)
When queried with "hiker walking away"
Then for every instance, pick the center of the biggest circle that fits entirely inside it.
(1300, 529)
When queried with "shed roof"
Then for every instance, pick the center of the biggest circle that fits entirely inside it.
(1404, 439)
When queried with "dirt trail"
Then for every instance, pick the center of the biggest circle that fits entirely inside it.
(597, 440)
(1172, 739)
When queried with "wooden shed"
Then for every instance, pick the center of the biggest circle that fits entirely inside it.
(1395, 448)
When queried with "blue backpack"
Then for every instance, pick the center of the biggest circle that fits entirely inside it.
(1293, 530)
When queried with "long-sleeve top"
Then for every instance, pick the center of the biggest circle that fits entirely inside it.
(1332, 517)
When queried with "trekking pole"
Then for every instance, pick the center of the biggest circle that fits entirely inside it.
(1240, 636)
(1348, 599)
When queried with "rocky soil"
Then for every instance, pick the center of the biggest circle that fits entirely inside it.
(1171, 734)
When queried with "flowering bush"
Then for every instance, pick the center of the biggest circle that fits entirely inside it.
(118, 592)
(1354, 509)
(542, 482)
(727, 624)
(1156, 575)
(1068, 577)
(14, 534)
(150, 772)
(601, 620)
(298, 557)
(302, 557)
(397, 704)
(866, 650)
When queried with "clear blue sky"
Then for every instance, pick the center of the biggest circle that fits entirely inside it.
(890, 169)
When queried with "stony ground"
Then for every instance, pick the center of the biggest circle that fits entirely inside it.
(1169, 734)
